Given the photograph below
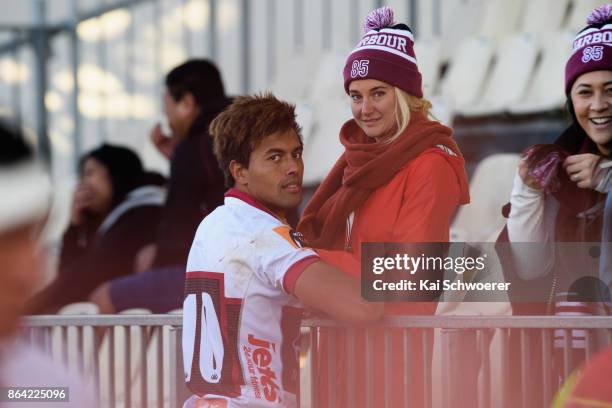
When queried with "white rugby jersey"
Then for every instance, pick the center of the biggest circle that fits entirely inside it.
(240, 319)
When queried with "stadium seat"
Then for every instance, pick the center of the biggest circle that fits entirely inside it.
(468, 69)
(324, 147)
(429, 57)
(579, 13)
(501, 18)
(464, 22)
(327, 83)
(305, 116)
(507, 83)
(545, 91)
(292, 76)
(544, 15)
(490, 188)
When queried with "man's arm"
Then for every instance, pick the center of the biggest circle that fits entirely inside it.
(322, 287)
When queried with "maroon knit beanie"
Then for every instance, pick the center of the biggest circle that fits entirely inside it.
(592, 47)
(385, 53)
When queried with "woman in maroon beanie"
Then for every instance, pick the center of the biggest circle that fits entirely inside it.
(558, 196)
(400, 179)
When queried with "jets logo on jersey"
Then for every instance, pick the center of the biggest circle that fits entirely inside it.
(295, 238)
(259, 357)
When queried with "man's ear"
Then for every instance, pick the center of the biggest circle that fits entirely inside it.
(239, 172)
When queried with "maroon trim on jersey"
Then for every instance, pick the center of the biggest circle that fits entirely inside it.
(233, 310)
(295, 270)
(201, 274)
(247, 198)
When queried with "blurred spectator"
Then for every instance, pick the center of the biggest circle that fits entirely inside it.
(193, 98)
(25, 202)
(115, 212)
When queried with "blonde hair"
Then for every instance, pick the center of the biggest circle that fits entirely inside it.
(404, 104)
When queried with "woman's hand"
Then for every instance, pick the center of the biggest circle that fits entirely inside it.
(80, 203)
(582, 169)
(527, 179)
(164, 143)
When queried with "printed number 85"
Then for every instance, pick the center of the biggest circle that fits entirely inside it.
(359, 68)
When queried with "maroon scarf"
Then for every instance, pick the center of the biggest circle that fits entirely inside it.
(363, 167)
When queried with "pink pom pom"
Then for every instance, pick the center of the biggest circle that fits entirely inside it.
(601, 14)
(379, 18)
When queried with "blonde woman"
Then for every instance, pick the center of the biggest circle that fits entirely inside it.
(400, 179)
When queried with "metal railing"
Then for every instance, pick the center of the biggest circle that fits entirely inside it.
(135, 360)
(525, 369)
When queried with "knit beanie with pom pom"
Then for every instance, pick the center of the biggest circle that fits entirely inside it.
(385, 53)
(592, 47)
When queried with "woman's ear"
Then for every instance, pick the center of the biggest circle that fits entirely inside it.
(187, 104)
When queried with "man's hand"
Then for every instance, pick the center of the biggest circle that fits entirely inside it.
(81, 201)
(143, 261)
(527, 179)
(164, 143)
(582, 169)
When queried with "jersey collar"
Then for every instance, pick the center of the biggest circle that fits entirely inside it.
(247, 198)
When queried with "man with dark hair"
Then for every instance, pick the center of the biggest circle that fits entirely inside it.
(249, 275)
(193, 97)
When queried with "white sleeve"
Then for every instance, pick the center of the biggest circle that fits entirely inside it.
(282, 258)
(526, 220)
(531, 220)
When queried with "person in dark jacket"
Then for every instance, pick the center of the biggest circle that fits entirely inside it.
(115, 211)
(193, 98)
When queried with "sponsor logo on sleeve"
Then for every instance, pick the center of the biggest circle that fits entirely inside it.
(295, 238)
